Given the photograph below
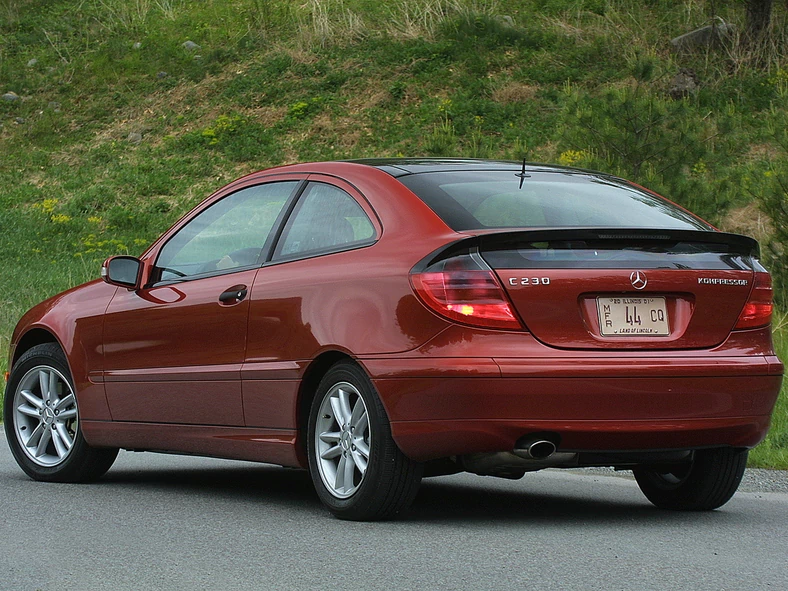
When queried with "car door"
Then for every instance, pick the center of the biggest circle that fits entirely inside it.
(174, 348)
(300, 299)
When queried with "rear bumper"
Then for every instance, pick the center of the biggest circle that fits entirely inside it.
(442, 407)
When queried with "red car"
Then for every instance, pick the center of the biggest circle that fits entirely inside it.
(378, 321)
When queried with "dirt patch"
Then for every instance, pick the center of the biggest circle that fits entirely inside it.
(564, 28)
(368, 99)
(762, 152)
(39, 179)
(515, 92)
(748, 220)
(342, 132)
(546, 153)
(72, 156)
(297, 54)
(268, 116)
(157, 108)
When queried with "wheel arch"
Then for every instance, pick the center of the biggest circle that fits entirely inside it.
(33, 337)
(306, 394)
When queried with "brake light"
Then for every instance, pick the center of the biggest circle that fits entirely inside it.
(464, 289)
(757, 311)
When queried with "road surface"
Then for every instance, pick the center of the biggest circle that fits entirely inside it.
(172, 522)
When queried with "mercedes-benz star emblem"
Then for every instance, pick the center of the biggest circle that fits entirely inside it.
(638, 279)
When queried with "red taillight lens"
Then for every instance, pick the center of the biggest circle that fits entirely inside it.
(465, 289)
(757, 311)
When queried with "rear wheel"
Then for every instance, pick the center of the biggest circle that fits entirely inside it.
(42, 421)
(708, 482)
(357, 469)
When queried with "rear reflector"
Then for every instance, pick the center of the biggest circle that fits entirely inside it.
(464, 289)
(757, 312)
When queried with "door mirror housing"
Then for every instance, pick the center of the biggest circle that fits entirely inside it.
(123, 271)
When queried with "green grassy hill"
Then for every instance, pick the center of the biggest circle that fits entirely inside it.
(119, 115)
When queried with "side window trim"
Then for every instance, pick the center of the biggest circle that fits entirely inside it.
(268, 246)
(293, 210)
(207, 274)
(281, 221)
(322, 252)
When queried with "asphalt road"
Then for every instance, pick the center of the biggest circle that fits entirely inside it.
(170, 522)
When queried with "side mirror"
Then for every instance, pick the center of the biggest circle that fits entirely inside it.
(123, 271)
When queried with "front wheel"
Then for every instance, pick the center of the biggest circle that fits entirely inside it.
(357, 469)
(708, 482)
(42, 421)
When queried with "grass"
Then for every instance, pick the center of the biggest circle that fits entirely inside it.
(773, 452)
(579, 82)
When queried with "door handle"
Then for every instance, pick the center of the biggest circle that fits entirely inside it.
(234, 294)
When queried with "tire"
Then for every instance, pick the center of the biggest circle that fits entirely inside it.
(350, 436)
(42, 421)
(707, 483)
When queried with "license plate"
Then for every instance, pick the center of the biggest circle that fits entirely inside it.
(626, 317)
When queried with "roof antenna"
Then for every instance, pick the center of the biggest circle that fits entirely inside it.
(522, 174)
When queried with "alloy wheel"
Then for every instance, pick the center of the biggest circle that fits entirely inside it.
(45, 416)
(343, 440)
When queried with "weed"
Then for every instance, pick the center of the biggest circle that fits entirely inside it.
(479, 144)
(303, 109)
(579, 158)
(329, 22)
(397, 90)
(413, 20)
(443, 139)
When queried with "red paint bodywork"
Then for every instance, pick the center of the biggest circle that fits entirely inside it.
(172, 368)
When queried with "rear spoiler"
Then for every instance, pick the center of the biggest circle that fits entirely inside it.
(735, 244)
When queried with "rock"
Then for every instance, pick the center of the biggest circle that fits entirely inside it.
(684, 84)
(137, 45)
(506, 19)
(19, 120)
(32, 62)
(10, 96)
(190, 46)
(704, 36)
(161, 75)
(134, 137)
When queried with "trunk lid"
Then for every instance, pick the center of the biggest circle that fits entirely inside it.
(624, 288)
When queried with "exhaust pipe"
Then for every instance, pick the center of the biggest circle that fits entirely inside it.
(537, 449)
(532, 452)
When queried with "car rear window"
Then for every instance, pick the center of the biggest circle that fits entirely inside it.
(477, 200)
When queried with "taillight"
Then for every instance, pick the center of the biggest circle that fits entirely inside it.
(757, 311)
(464, 289)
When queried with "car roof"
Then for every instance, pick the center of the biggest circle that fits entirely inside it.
(398, 167)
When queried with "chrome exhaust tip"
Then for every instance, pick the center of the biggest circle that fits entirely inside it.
(538, 449)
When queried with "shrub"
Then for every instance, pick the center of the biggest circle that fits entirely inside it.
(773, 201)
(636, 132)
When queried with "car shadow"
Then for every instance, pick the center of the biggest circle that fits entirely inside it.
(448, 501)
(241, 482)
(440, 500)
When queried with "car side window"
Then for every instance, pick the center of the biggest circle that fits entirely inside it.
(326, 219)
(229, 234)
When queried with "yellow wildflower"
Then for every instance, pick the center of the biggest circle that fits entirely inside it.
(572, 157)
